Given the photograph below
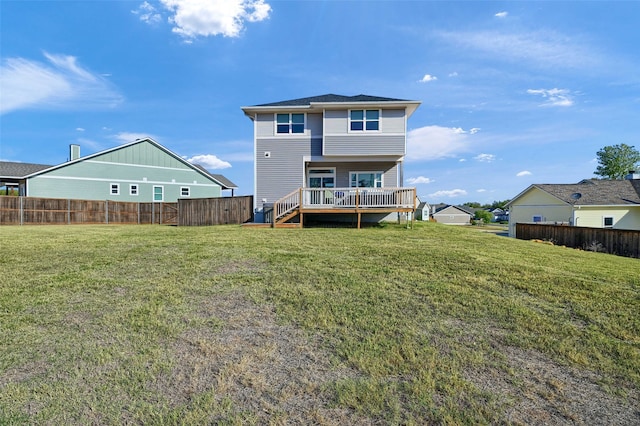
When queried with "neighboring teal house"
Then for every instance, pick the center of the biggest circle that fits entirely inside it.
(141, 171)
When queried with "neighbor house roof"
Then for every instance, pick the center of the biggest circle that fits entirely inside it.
(11, 171)
(593, 192)
(226, 183)
(15, 170)
(332, 100)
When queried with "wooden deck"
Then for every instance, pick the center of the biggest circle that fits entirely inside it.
(356, 201)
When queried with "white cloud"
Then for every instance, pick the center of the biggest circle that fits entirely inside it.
(524, 173)
(481, 190)
(427, 78)
(418, 180)
(435, 142)
(58, 83)
(193, 18)
(485, 158)
(450, 194)
(554, 97)
(148, 13)
(79, 129)
(209, 162)
(453, 74)
(541, 48)
(501, 14)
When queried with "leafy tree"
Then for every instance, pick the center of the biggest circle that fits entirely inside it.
(484, 215)
(615, 161)
(472, 204)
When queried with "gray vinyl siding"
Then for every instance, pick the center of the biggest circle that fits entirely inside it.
(389, 169)
(265, 126)
(365, 144)
(391, 121)
(390, 140)
(283, 171)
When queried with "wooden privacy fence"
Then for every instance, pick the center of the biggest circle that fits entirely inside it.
(42, 211)
(621, 242)
(215, 211)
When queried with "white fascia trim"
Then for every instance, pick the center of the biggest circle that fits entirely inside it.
(351, 159)
(142, 166)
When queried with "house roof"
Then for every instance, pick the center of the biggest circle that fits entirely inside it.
(332, 100)
(593, 192)
(29, 170)
(440, 207)
(14, 170)
(226, 183)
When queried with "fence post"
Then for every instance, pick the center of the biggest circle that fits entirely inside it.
(138, 213)
(68, 211)
(153, 212)
(106, 211)
(21, 211)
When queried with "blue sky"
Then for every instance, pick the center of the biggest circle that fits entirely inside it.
(513, 93)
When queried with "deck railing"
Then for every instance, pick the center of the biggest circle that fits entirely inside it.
(329, 198)
(286, 205)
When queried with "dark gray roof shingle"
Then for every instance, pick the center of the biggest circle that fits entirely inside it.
(596, 192)
(332, 98)
(226, 183)
(14, 170)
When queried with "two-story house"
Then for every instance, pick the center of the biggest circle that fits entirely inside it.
(331, 155)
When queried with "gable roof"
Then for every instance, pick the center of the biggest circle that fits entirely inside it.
(332, 100)
(201, 170)
(227, 184)
(592, 192)
(15, 170)
(441, 207)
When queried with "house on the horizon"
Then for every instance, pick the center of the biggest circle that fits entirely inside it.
(589, 203)
(140, 171)
(451, 215)
(331, 154)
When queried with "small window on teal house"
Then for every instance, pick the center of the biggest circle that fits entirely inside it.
(115, 189)
(158, 193)
(185, 191)
(133, 189)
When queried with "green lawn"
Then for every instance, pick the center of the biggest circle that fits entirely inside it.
(230, 325)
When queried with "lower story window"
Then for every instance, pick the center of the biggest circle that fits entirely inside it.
(185, 191)
(115, 189)
(158, 193)
(133, 189)
(365, 179)
(608, 222)
(537, 218)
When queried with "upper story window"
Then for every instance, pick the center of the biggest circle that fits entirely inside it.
(364, 120)
(289, 123)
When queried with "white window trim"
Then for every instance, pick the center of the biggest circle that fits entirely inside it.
(153, 194)
(182, 188)
(275, 124)
(311, 169)
(613, 221)
(364, 120)
(367, 171)
(131, 189)
(117, 188)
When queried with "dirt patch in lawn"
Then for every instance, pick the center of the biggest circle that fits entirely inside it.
(271, 372)
(539, 391)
